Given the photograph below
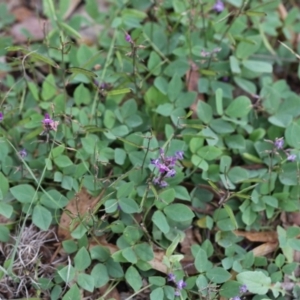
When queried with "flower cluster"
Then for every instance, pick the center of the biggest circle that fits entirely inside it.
(278, 145)
(128, 38)
(165, 166)
(179, 284)
(219, 6)
(23, 153)
(243, 289)
(49, 124)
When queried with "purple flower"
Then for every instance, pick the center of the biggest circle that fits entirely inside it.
(177, 293)
(181, 284)
(243, 289)
(171, 277)
(23, 153)
(1, 116)
(179, 155)
(219, 6)
(171, 173)
(279, 143)
(291, 157)
(128, 38)
(49, 124)
(236, 298)
(163, 184)
(165, 166)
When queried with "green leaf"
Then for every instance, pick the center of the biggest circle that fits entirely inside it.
(41, 217)
(174, 87)
(67, 273)
(209, 152)
(144, 251)
(125, 189)
(231, 215)
(4, 234)
(219, 101)
(6, 210)
(73, 293)
(257, 282)
(81, 71)
(234, 65)
(204, 112)
(63, 161)
(154, 62)
(82, 259)
(100, 253)
(119, 92)
(100, 275)
(182, 193)
(202, 264)
(218, 275)
(34, 56)
(133, 278)
(4, 185)
(292, 135)
(161, 84)
(114, 269)
(24, 193)
(129, 255)
(86, 281)
(49, 87)
(159, 219)
(239, 107)
(69, 30)
(128, 205)
(156, 294)
(258, 66)
(179, 212)
(82, 95)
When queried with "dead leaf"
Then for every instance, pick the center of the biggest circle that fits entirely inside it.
(188, 241)
(264, 249)
(191, 78)
(265, 236)
(33, 26)
(21, 13)
(77, 208)
(113, 294)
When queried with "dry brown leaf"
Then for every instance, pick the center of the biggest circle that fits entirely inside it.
(265, 236)
(113, 294)
(77, 208)
(32, 25)
(294, 218)
(265, 249)
(188, 241)
(21, 13)
(191, 78)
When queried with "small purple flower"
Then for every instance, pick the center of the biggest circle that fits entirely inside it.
(236, 298)
(219, 6)
(23, 153)
(171, 277)
(279, 143)
(1, 116)
(243, 289)
(165, 166)
(128, 38)
(291, 157)
(177, 293)
(181, 284)
(171, 173)
(163, 184)
(49, 124)
(179, 155)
